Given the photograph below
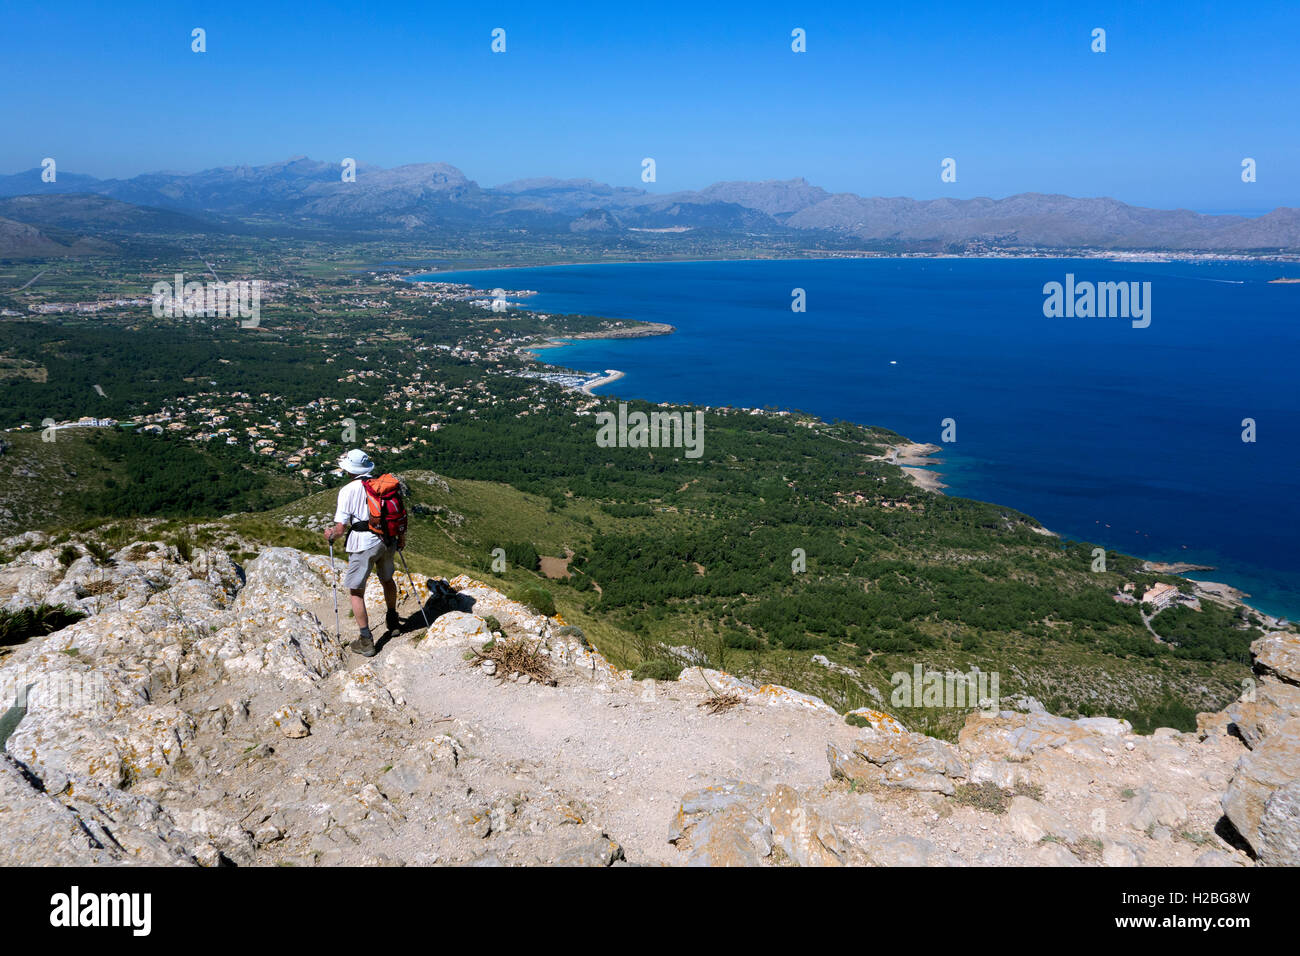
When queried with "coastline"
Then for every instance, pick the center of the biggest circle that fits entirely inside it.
(611, 375)
(1106, 255)
(641, 330)
(915, 460)
(638, 331)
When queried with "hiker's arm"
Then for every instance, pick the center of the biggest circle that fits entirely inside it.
(337, 531)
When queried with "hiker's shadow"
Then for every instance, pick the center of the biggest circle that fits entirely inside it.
(433, 608)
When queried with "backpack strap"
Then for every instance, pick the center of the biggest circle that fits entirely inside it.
(364, 523)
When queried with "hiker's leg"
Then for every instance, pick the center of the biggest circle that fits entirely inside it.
(359, 607)
(359, 565)
(384, 569)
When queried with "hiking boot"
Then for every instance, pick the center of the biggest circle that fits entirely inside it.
(392, 620)
(364, 645)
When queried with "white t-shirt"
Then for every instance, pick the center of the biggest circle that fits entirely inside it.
(353, 507)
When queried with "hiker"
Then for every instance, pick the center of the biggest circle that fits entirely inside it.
(366, 549)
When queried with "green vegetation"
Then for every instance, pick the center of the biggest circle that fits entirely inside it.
(164, 476)
(674, 560)
(657, 669)
(538, 598)
(18, 626)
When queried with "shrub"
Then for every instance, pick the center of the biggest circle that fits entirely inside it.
(18, 626)
(185, 545)
(658, 669)
(741, 641)
(522, 554)
(539, 599)
(68, 554)
(574, 632)
(101, 554)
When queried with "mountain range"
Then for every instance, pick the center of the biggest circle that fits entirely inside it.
(305, 194)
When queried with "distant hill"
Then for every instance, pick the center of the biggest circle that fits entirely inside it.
(427, 197)
(20, 240)
(90, 213)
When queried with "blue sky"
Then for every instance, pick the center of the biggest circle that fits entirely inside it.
(713, 92)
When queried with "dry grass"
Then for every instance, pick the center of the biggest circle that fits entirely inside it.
(721, 703)
(991, 798)
(515, 655)
(1087, 849)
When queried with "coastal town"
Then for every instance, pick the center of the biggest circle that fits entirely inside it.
(305, 437)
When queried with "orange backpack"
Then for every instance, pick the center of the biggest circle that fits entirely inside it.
(387, 512)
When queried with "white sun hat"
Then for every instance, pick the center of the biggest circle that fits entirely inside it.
(357, 462)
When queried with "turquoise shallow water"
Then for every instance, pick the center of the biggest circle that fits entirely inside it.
(1129, 438)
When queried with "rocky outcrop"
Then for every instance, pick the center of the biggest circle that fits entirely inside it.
(204, 713)
(770, 695)
(1261, 800)
(1278, 656)
(912, 761)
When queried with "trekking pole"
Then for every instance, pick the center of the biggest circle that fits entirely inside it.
(412, 583)
(334, 587)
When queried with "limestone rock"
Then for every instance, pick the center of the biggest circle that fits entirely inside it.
(1274, 703)
(1216, 858)
(730, 837)
(1278, 654)
(291, 722)
(879, 721)
(1272, 765)
(1150, 809)
(1279, 827)
(1003, 773)
(700, 803)
(911, 761)
(601, 852)
(1011, 734)
(1116, 853)
(1054, 854)
(456, 628)
(1032, 821)
(39, 830)
(156, 734)
(907, 850)
(799, 831)
(774, 695)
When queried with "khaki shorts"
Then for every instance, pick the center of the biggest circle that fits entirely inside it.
(378, 556)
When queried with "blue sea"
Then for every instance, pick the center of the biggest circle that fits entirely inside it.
(1130, 438)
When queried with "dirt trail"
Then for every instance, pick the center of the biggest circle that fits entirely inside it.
(630, 750)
